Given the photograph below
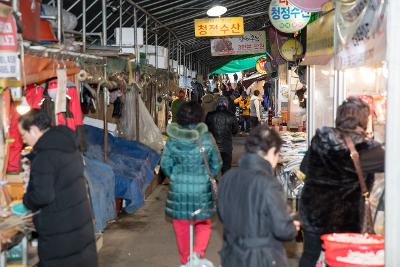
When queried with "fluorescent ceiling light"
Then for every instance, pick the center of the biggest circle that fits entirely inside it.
(216, 11)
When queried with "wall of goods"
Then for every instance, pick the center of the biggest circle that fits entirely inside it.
(103, 88)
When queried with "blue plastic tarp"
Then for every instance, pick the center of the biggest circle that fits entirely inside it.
(101, 181)
(132, 162)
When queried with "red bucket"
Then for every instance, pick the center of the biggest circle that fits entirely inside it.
(329, 244)
(332, 261)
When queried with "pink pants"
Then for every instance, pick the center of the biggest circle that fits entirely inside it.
(202, 232)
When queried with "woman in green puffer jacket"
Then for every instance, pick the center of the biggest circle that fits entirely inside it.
(190, 188)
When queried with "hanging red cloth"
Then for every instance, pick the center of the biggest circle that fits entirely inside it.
(73, 117)
(15, 147)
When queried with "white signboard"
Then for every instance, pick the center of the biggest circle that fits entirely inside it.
(9, 65)
(287, 17)
(253, 42)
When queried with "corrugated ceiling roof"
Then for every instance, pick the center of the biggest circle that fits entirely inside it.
(178, 15)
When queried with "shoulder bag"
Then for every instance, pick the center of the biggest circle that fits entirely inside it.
(367, 225)
(210, 176)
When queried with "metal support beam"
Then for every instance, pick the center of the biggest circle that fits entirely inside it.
(169, 54)
(135, 28)
(392, 169)
(104, 21)
(120, 26)
(310, 102)
(84, 26)
(180, 58)
(89, 7)
(126, 21)
(151, 16)
(60, 21)
(156, 59)
(146, 49)
(184, 62)
(73, 5)
(15, 5)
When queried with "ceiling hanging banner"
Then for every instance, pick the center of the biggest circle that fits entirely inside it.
(253, 42)
(361, 33)
(320, 41)
(309, 5)
(286, 17)
(230, 26)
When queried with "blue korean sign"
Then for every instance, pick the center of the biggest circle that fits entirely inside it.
(286, 17)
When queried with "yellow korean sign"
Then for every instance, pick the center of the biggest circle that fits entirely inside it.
(231, 26)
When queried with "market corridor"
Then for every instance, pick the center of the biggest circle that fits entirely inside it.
(146, 238)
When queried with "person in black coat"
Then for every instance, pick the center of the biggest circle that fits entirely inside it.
(252, 209)
(331, 198)
(57, 190)
(231, 103)
(223, 125)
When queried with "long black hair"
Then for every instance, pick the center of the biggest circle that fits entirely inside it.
(189, 113)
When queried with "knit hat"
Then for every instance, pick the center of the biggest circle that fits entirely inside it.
(222, 102)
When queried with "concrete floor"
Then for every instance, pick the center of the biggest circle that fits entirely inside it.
(146, 238)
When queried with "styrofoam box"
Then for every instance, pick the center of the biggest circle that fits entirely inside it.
(181, 69)
(128, 50)
(173, 63)
(128, 36)
(151, 49)
(162, 62)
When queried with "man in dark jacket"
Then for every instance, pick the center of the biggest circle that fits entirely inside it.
(231, 101)
(251, 207)
(223, 124)
(57, 189)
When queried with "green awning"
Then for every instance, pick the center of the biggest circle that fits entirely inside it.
(238, 64)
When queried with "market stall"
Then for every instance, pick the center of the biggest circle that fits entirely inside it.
(346, 59)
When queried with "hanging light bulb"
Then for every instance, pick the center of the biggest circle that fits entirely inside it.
(23, 107)
(216, 11)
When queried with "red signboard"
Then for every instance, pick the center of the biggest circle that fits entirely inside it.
(8, 30)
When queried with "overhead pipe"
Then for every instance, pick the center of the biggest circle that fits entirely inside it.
(184, 62)
(173, 54)
(84, 26)
(104, 21)
(59, 21)
(74, 4)
(169, 54)
(156, 44)
(120, 26)
(180, 58)
(49, 17)
(151, 16)
(146, 49)
(126, 21)
(93, 3)
(135, 28)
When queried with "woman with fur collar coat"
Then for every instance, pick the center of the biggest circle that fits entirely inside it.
(190, 187)
(331, 199)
